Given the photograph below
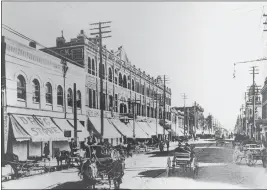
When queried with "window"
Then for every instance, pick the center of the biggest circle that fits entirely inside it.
(120, 79)
(79, 99)
(116, 80)
(59, 96)
(132, 85)
(124, 81)
(21, 88)
(129, 105)
(69, 97)
(93, 67)
(48, 93)
(89, 65)
(109, 75)
(35, 91)
(90, 98)
(110, 102)
(129, 86)
(94, 99)
(102, 70)
(116, 103)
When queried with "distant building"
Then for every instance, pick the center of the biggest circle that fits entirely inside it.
(263, 121)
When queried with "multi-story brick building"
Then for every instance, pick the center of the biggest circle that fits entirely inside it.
(263, 122)
(33, 107)
(123, 86)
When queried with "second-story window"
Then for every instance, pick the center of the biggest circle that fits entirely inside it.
(93, 67)
(35, 91)
(124, 81)
(120, 79)
(79, 99)
(89, 66)
(21, 88)
(48, 93)
(70, 100)
(59, 96)
(109, 75)
(132, 85)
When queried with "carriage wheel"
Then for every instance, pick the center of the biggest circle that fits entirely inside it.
(236, 158)
(253, 160)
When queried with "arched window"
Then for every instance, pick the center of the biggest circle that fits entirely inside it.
(79, 99)
(132, 85)
(48, 93)
(70, 97)
(89, 66)
(124, 81)
(93, 67)
(21, 88)
(109, 75)
(35, 91)
(120, 79)
(59, 95)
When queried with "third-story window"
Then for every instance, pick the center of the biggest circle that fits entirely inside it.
(89, 66)
(120, 79)
(48, 93)
(79, 99)
(59, 96)
(70, 97)
(21, 88)
(109, 75)
(94, 99)
(116, 103)
(132, 85)
(110, 102)
(35, 91)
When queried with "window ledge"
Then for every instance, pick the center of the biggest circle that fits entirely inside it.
(60, 106)
(36, 102)
(21, 100)
(49, 104)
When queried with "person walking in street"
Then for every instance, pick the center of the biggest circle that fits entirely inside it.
(168, 144)
(46, 151)
(73, 147)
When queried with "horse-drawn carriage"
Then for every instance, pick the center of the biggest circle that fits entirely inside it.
(251, 153)
(184, 159)
(100, 163)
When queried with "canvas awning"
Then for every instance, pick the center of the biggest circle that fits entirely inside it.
(157, 128)
(144, 126)
(109, 130)
(82, 132)
(123, 128)
(19, 133)
(40, 128)
(139, 133)
(64, 125)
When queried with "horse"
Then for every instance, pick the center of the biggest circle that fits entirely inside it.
(89, 172)
(116, 172)
(62, 155)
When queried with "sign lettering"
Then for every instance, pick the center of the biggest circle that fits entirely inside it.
(72, 53)
(40, 128)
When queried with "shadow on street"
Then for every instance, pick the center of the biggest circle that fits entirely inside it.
(151, 173)
(160, 154)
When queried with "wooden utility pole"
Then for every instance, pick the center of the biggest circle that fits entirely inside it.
(75, 113)
(253, 98)
(101, 69)
(184, 97)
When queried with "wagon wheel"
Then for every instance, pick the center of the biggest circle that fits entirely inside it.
(253, 159)
(236, 158)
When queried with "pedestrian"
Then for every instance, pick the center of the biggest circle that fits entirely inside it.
(73, 147)
(46, 151)
(168, 144)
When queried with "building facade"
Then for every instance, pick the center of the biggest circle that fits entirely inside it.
(263, 122)
(125, 87)
(33, 91)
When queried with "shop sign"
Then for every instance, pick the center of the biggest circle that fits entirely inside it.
(72, 53)
(39, 127)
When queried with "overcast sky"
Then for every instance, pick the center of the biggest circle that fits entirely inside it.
(194, 44)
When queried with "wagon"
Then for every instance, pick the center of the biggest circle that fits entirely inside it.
(182, 162)
(251, 153)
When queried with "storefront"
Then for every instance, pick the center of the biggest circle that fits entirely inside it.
(29, 133)
(110, 132)
(139, 133)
